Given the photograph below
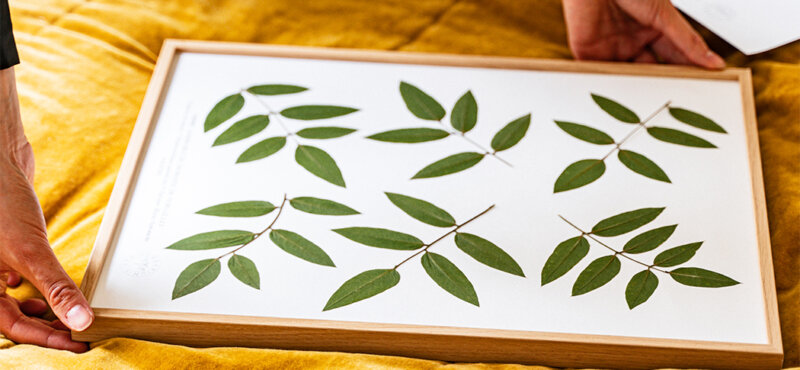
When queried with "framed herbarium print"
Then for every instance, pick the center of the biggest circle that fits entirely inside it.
(447, 207)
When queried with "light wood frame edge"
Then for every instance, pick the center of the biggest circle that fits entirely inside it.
(140, 324)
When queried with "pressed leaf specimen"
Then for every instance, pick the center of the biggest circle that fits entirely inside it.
(586, 171)
(602, 270)
(438, 267)
(313, 159)
(202, 273)
(463, 118)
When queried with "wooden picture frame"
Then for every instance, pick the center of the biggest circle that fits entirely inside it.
(441, 343)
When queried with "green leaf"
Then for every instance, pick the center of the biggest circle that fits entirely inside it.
(422, 210)
(213, 240)
(585, 133)
(410, 135)
(615, 109)
(597, 274)
(249, 208)
(245, 270)
(626, 222)
(275, 89)
(319, 163)
(242, 129)
(642, 165)
(465, 113)
(362, 286)
(566, 255)
(449, 277)
(676, 256)
(449, 165)
(640, 288)
(381, 238)
(511, 134)
(195, 277)
(223, 111)
(319, 206)
(262, 149)
(420, 103)
(324, 132)
(695, 119)
(698, 277)
(580, 173)
(487, 253)
(649, 240)
(299, 246)
(678, 137)
(312, 112)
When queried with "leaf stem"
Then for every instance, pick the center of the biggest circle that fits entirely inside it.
(257, 235)
(275, 115)
(427, 246)
(640, 125)
(475, 144)
(616, 252)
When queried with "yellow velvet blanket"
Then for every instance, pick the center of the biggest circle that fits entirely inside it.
(85, 68)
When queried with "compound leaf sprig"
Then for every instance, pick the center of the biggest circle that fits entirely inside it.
(438, 267)
(604, 269)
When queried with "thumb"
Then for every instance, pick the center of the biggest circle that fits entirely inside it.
(64, 297)
(675, 27)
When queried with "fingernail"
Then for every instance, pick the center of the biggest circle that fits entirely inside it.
(715, 59)
(79, 318)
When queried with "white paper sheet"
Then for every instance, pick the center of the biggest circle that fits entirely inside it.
(751, 26)
(710, 198)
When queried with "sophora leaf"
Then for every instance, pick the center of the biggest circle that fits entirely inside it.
(381, 238)
(615, 109)
(410, 135)
(245, 270)
(649, 240)
(465, 113)
(673, 136)
(275, 89)
(449, 277)
(312, 112)
(319, 206)
(213, 240)
(487, 253)
(324, 132)
(363, 286)
(299, 246)
(676, 256)
(421, 104)
(449, 165)
(511, 134)
(585, 133)
(626, 222)
(694, 276)
(223, 111)
(597, 274)
(195, 277)
(262, 149)
(578, 174)
(566, 255)
(640, 288)
(249, 208)
(695, 119)
(242, 129)
(422, 210)
(642, 165)
(319, 163)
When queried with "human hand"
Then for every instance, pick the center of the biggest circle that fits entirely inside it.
(24, 248)
(645, 31)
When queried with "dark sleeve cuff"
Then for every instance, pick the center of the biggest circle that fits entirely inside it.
(8, 49)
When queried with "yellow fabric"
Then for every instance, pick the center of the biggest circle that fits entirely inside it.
(85, 68)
